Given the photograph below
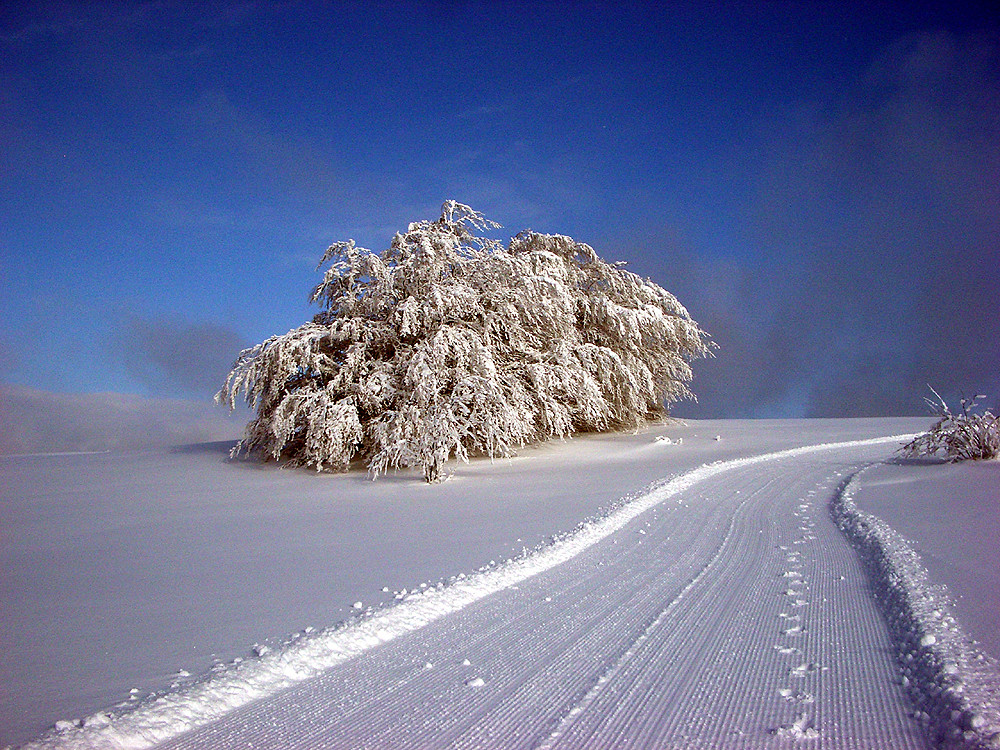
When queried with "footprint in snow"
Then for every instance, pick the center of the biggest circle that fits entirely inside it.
(805, 669)
(787, 650)
(475, 682)
(800, 729)
(792, 632)
(793, 696)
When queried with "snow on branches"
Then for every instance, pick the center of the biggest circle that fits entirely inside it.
(449, 345)
(958, 437)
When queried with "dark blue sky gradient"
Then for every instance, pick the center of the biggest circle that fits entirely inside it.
(818, 182)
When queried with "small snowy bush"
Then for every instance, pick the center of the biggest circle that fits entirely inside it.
(448, 344)
(958, 437)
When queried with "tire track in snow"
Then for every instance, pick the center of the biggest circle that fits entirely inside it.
(672, 605)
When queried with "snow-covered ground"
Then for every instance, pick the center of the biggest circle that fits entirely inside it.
(950, 513)
(123, 574)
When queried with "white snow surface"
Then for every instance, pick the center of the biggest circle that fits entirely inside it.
(707, 599)
(950, 513)
(953, 683)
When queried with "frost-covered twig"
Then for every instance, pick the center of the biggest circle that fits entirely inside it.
(957, 437)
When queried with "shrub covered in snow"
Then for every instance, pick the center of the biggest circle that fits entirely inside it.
(958, 437)
(449, 344)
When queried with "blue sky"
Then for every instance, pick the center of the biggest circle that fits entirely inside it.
(818, 182)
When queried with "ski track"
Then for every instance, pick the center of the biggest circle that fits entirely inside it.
(730, 613)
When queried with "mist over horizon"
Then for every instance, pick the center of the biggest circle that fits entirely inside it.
(45, 422)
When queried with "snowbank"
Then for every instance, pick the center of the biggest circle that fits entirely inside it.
(953, 684)
(950, 513)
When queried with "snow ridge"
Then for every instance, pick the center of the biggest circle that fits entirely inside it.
(204, 701)
(953, 684)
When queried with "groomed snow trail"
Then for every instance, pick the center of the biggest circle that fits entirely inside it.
(723, 610)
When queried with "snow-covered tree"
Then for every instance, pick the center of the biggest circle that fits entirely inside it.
(449, 345)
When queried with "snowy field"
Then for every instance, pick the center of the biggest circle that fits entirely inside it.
(707, 601)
